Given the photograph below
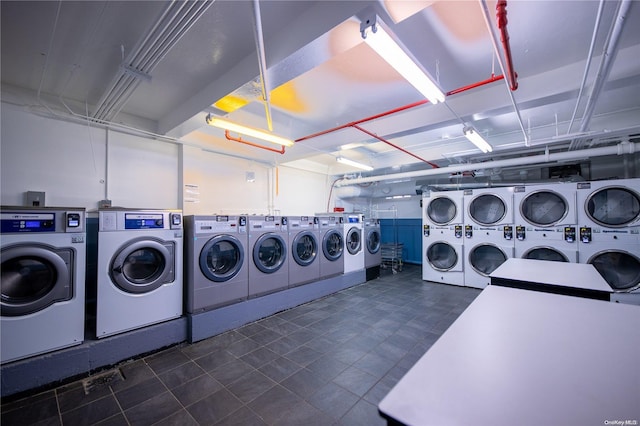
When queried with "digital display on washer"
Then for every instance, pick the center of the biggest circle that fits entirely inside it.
(222, 218)
(269, 218)
(28, 222)
(354, 219)
(143, 221)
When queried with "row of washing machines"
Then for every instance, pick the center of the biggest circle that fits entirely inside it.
(115, 270)
(467, 234)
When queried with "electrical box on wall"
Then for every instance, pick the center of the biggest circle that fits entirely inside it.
(34, 199)
(104, 204)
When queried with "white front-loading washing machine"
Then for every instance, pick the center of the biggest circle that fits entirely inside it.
(216, 254)
(488, 232)
(268, 269)
(609, 233)
(353, 242)
(332, 245)
(43, 255)
(304, 264)
(442, 237)
(546, 222)
(140, 269)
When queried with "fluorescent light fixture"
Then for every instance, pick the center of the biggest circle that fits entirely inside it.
(247, 131)
(352, 163)
(475, 137)
(391, 52)
(353, 145)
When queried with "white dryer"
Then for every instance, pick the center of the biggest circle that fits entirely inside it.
(442, 237)
(140, 269)
(353, 242)
(216, 270)
(268, 269)
(332, 244)
(43, 255)
(488, 231)
(304, 265)
(609, 234)
(546, 222)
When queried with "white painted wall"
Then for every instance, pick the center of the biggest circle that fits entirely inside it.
(78, 165)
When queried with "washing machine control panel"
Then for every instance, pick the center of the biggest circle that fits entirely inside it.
(521, 233)
(585, 234)
(468, 231)
(570, 234)
(508, 232)
(425, 230)
(143, 221)
(176, 220)
(458, 231)
(16, 222)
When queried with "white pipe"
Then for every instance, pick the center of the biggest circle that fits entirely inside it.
(487, 20)
(619, 149)
(588, 64)
(46, 59)
(606, 63)
(262, 62)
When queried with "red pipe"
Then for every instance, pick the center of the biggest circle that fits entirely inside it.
(231, 138)
(355, 126)
(501, 15)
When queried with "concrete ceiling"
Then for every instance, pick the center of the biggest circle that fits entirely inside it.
(72, 55)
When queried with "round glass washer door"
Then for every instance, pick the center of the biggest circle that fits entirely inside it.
(545, 253)
(373, 241)
(619, 268)
(354, 240)
(442, 210)
(221, 258)
(143, 265)
(544, 208)
(332, 245)
(485, 258)
(442, 256)
(487, 209)
(34, 277)
(613, 206)
(304, 248)
(269, 253)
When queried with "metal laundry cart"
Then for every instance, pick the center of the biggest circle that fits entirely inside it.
(392, 256)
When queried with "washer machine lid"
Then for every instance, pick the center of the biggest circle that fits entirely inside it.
(619, 268)
(221, 258)
(485, 258)
(442, 210)
(442, 256)
(269, 252)
(487, 209)
(544, 208)
(613, 206)
(34, 276)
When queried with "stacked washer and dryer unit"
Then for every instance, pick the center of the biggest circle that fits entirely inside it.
(488, 231)
(43, 254)
(609, 234)
(442, 237)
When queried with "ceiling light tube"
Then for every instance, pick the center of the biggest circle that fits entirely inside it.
(475, 137)
(380, 41)
(248, 131)
(352, 163)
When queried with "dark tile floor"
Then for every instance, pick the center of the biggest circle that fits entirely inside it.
(327, 362)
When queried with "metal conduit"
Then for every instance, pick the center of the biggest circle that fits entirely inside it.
(611, 48)
(620, 149)
(174, 23)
